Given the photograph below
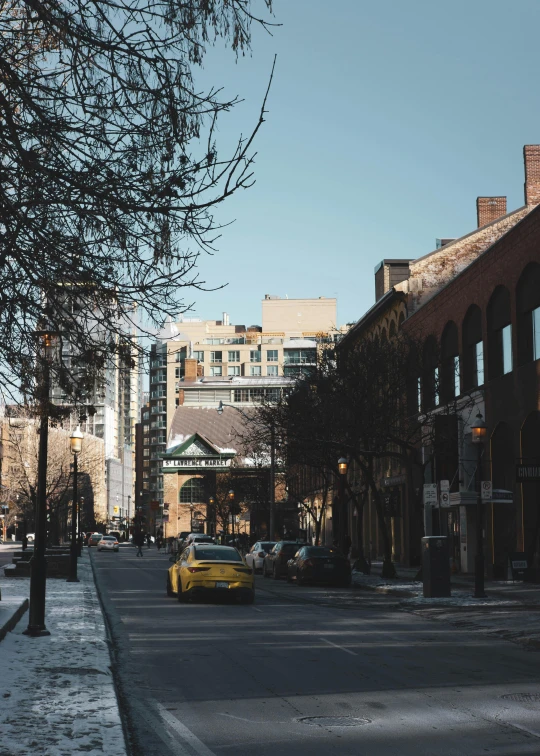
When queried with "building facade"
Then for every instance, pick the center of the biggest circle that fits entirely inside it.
(194, 362)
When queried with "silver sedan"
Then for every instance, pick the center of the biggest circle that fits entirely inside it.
(255, 557)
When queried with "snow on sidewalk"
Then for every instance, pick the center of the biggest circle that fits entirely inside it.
(57, 696)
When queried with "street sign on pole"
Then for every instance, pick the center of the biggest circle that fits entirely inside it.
(444, 485)
(430, 493)
(487, 490)
(444, 500)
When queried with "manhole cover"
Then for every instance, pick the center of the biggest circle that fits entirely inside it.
(522, 697)
(334, 721)
(71, 670)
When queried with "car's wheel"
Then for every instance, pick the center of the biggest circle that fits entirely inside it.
(289, 578)
(346, 583)
(265, 573)
(299, 579)
(248, 598)
(170, 591)
(275, 573)
(181, 595)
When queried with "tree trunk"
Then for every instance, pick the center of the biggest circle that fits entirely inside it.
(388, 569)
(361, 564)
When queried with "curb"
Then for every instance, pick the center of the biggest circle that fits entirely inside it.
(388, 590)
(13, 620)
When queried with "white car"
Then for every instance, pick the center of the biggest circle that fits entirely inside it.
(255, 556)
(107, 543)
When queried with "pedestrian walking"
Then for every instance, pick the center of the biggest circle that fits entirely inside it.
(148, 540)
(159, 543)
(139, 542)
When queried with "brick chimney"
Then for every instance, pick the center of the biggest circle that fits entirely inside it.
(531, 157)
(190, 372)
(489, 209)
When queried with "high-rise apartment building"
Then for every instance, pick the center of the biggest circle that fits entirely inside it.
(202, 362)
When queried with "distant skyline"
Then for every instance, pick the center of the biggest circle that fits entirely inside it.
(385, 122)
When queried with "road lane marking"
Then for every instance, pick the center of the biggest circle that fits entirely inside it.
(257, 610)
(342, 648)
(197, 745)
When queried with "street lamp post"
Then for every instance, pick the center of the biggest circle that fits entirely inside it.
(211, 519)
(230, 496)
(479, 432)
(272, 492)
(75, 443)
(191, 508)
(38, 563)
(342, 470)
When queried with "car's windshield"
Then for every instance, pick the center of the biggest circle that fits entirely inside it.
(291, 548)
(221, 554)
(321, 551)
(266, 546)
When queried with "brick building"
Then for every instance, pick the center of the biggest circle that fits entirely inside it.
(474, 302)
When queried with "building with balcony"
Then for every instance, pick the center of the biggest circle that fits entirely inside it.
(199, 362)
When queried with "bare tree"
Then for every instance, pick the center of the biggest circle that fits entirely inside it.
(110, 171)
(21, 449)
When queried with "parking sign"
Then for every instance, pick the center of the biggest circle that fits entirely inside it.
(487, 490)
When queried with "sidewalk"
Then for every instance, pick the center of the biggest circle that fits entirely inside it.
(462, 587)
(58, 692)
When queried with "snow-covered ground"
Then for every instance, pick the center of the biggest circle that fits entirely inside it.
(58, 697)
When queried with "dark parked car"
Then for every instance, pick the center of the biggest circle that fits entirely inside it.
(275, 563)
(319, 564)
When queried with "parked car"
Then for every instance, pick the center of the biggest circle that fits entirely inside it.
(255, 556)
(319, 564)
(275, 563)
(94, 539)
(207, 569)
(198, 538)
(107, 543)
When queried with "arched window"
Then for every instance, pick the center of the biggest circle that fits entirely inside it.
(473, 349)
(383, 335)
(499, 333)
(392, 329)
(528, 314)
(430, 374)
(193, 492)
(401, 319)
(450, 367)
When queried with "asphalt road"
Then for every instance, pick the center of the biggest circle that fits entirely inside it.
(308, 671)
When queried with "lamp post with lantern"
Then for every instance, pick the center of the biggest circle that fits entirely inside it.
(75, 443)
(478, 433)
(211, 516)
(342, 472)
(230, 497)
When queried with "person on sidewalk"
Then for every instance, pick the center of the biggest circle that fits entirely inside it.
(139, 542)
(148, 540)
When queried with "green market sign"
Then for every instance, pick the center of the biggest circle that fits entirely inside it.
(196, 454)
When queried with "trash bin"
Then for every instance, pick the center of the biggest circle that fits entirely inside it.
(435, 567)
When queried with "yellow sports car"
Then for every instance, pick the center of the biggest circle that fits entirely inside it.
(203, 569)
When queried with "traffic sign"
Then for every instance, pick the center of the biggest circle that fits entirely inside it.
(444, 500)
(430, 493)
(487, 490)
(444, 485)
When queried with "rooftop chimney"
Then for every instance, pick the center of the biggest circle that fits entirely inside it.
(489, 209)
(531, 156)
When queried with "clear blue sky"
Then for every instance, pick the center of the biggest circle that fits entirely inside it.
(386, 120)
